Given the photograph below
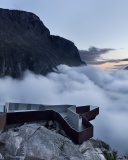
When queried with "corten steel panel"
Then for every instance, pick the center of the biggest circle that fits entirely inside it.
(85, 122)
(21, 117)
(85, 135)
(73, 134)
(91, 114)
(88, 132)
(77, 137)
(82, 109)
(3, 120)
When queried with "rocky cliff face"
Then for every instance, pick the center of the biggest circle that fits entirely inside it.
(25, 43)
(126, 68)
(35, 142)
(46, 140)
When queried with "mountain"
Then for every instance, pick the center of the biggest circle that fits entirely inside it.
(25, 43)
(126, 68)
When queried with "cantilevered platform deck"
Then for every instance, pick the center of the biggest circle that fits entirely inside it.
(74, 120)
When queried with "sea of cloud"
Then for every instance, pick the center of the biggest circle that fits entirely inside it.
(80, 86)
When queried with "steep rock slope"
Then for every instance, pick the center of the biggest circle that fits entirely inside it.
(35, 142)
(126, 68)
(47, 140)
(25, 43)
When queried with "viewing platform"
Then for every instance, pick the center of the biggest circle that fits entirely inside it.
(73, 119)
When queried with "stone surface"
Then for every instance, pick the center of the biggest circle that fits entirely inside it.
(33, 141)
(104, 150)
(90, 152)
(25, 43)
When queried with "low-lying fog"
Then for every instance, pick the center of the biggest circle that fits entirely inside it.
(80, 86)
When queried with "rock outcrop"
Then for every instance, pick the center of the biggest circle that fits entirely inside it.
(45, 140)
(26, 44)
(35, 142)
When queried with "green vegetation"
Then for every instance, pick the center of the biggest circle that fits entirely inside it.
(114, 154)
(108, 153)
(110, 156)
(105, 145)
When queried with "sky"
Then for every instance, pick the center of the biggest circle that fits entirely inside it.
(98, 23)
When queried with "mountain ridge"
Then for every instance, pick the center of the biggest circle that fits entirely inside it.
(126, 68)
(26, 44)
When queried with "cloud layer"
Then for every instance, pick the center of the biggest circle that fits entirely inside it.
(93, 53)
(104, 57)
(79, 86)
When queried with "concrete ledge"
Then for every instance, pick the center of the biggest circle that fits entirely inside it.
(73, 116)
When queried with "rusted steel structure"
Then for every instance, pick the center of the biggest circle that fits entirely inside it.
(78, 135)
(3, 118)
